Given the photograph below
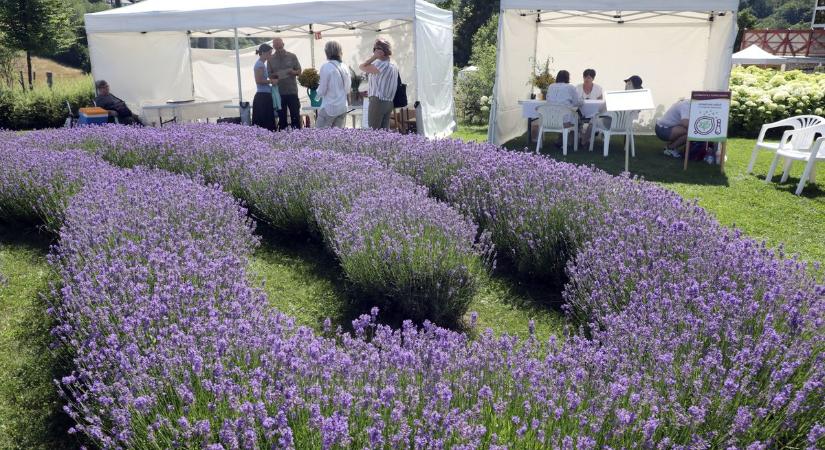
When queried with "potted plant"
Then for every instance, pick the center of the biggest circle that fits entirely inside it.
(355, 80)
(542, 77)
(309, 79)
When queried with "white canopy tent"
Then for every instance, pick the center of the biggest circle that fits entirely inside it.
(755, 55)
(675, 46)
(143, 50)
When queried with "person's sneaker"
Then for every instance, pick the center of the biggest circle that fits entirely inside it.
(671, 152)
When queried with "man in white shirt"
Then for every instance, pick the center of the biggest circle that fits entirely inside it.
(673, 127)
(333, 88)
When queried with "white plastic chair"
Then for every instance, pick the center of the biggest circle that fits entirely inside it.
(801, 141)
(621, 123)
(552, 121)
(816, 152)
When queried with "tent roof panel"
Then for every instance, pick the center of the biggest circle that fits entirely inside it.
(623, 5)
(756, 55)
(181, 15)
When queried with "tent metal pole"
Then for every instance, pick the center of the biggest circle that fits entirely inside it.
(491, 128)
(238, 69)
(312, 46)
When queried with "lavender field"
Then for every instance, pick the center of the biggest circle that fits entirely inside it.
(679, 332)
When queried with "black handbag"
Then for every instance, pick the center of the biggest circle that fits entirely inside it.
(400, 99)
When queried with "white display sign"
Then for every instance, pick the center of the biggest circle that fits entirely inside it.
(633, 100)
(709, 113)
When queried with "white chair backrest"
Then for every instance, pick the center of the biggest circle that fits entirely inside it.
(552, 116)
(803, 138)
(807, 121)
(621, 121)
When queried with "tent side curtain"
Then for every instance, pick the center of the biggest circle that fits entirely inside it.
(143, 67)
(434, 69)
(672, 58)
(516, 48)
(622, 5)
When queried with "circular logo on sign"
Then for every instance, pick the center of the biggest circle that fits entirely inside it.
(704, 125)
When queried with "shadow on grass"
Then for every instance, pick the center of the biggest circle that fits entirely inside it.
(649, 162)
(531, 293)
(811, 190)
(38, 420)
(25, 235)
(304, 280)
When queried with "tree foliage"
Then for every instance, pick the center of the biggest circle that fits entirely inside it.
(475, 89)
(468, 17)
(77, 54)
(35, 26)
(779, 13)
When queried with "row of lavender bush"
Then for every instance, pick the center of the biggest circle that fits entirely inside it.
(412, 256)
(678, 358)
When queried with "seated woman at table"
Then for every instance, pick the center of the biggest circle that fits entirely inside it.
(589, 90)
(562, 93)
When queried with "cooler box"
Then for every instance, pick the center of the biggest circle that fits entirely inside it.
(91, 116)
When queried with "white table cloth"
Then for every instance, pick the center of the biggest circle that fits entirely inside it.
(589, 109)
(184, 112)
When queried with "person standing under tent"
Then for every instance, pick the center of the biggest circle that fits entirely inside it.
(263, 113)
(285, 65)
(383, 82)
(333, 88)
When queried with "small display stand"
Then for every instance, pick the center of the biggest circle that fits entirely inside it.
(709, 112)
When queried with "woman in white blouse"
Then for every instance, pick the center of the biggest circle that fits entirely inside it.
(333, 88)
(589, 90)
(562, 93)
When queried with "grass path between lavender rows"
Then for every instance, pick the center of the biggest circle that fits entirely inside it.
(30, 411)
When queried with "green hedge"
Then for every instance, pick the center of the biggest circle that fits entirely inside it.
(43, 107)
(761, 96)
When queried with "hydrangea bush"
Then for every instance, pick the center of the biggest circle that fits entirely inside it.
(689, 335)
(760, 96)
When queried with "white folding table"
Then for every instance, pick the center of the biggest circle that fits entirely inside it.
(185, 111)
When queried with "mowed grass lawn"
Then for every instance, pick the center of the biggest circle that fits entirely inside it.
(303, 280)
